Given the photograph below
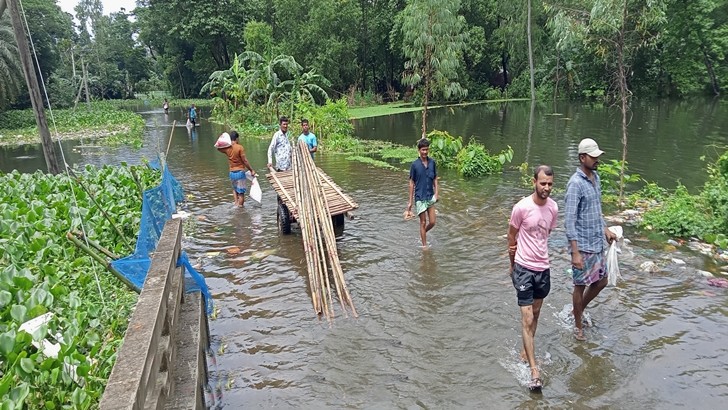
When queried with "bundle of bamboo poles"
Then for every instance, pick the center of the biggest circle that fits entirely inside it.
(319, 241)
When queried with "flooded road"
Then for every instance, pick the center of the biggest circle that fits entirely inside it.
(437, 328)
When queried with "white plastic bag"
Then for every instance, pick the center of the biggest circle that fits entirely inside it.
(613, 258)
(255, 192)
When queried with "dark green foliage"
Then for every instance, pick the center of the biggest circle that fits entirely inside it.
(41, 271)
(444, 148)
(672, 47)
(609, 177)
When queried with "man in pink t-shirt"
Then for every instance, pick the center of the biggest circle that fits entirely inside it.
(532, 220)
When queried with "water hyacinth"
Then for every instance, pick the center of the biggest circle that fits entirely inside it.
(41, 271)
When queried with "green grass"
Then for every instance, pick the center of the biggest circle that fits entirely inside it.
(400, 107)
(379, 110)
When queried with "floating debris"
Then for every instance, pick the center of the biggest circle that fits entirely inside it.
(650, 267)
(232, 250)
(718, 282)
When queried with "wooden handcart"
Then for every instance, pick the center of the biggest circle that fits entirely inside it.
(339, 203)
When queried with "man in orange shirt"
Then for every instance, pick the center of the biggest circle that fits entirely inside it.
(228, 145)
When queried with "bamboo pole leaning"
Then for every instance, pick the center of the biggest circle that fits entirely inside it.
(307, 248)
(323, 217)
(319, 240)
(317, 225)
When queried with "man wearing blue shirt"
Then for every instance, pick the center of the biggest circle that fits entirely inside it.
(192, 115)
(308, 137)
(424, 189)
(586, 231)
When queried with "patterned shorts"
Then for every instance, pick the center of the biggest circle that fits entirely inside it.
(594, 269)
(239, 181)
(422, 206)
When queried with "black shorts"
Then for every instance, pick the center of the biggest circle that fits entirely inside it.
(530, 284)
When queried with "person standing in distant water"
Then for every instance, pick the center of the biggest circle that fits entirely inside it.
(280, 145)
(192, 115)
(532, 220)
(166, 106)
(237, 162)
(308, 137)
(423, 189)
(586, 231)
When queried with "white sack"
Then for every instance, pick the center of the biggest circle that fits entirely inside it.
(613, 258)
(255, 193)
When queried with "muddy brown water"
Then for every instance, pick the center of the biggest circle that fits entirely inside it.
(437, 328)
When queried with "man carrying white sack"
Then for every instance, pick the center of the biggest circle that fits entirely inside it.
(586, 231)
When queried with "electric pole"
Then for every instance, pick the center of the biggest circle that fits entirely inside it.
(33, 89)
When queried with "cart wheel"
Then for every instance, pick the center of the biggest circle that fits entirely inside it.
(338, 220)
(284, 219)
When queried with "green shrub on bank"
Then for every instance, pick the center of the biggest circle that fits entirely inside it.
(471, 160)
(704, 215)
(42, 271)
(680, 214)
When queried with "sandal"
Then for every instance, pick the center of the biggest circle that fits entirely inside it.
(536, 384)
(579, 335)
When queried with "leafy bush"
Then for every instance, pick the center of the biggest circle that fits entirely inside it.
(681, 214)
(471, 160)
(474, 160)
(715, 192)
(328, 120)
(609, 177)
(444, 148)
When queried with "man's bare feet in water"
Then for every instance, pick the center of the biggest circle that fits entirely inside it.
(579, 334)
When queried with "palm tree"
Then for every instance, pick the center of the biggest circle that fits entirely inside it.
(11, 70)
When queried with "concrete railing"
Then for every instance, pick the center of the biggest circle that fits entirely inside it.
(162, 360)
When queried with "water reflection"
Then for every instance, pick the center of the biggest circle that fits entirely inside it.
(666, 138)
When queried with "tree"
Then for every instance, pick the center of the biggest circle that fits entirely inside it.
(432, 41)
(615, 30)
(258, 38)
(190, 41)
(305, 87)
(10, 68)
(530, 52)
(274, 81)
(694, 45)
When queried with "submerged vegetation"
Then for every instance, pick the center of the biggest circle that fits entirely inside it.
(41, 271)
(103, 120)
(471, 160)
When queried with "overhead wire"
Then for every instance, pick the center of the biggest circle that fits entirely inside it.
(60, 146)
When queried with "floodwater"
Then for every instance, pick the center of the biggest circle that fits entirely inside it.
(440, 328)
